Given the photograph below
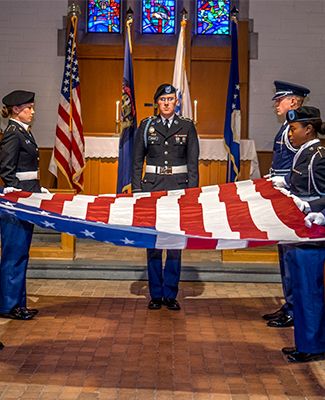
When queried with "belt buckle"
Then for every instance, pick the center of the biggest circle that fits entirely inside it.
(166, 171)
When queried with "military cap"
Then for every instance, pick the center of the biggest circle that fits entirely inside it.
(18, 97)
(165, 88)
(283, 89)
(303, 114)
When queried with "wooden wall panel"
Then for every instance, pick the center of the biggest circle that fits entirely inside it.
(149, 74)
(101, 83)
(209, 87)
(101, 69)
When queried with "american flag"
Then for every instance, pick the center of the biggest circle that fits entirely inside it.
(233, 215)
(68, 153)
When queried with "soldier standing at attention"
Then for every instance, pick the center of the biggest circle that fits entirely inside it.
(288, 96)
(169, 145)
(19, 158)
(306, 260)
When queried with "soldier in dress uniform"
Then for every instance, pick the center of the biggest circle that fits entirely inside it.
(288, 96)
(169, 145)
(306, 261)
(18, 169)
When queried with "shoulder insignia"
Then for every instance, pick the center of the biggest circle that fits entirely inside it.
(11, 128)
(152, 117)
(321, 151)
(185, 118)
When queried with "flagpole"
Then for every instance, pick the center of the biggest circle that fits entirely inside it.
(128, 123)
(233, 117)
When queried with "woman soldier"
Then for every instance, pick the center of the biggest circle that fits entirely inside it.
(307, 181)
(18, 169)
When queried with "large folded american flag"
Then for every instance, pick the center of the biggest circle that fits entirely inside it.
(233, 215)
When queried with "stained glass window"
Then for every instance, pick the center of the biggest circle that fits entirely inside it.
(212, 17)
(104, 16)
(158, 16)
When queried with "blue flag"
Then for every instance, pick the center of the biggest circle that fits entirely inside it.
(233, 119)
(128, 122)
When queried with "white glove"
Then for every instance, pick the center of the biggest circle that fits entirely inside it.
(10, 189)
(314, 218)
(44, 190)
(277, 181)
(267, 176)
(301, 204)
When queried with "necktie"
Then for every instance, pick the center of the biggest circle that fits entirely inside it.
(29, 130)
(166, 125)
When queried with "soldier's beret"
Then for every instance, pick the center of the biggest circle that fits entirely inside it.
(303, 114)
(18, 97)
(165, 88)
(283, 89)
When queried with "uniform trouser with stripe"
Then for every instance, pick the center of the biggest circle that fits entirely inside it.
(16, 237)
(283, 251)
(163, 283)
(307, 272)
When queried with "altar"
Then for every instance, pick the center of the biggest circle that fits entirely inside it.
(102, 156)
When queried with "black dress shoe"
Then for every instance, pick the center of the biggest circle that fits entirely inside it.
(289, 350)
(155, 304)
(300, 357)
(172, 304)
(276, 314)
(1, 346)
(18, 313)
(32, 310)
(282, 322)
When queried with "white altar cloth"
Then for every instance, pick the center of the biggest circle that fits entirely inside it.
(210, 149)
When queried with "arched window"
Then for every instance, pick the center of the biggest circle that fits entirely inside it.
(158, 16)
(104, 16)
(212, 17)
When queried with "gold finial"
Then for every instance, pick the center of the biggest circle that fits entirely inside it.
(74, 10)
(234, 14)
(184, 15)
(129, 15)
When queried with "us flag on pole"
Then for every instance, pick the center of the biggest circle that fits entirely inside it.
(68, 153)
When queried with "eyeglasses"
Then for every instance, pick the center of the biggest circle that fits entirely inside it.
(169, 99)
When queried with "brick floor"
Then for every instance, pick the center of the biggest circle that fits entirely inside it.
(97, 340)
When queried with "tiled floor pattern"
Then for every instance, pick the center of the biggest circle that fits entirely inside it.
(97, 340)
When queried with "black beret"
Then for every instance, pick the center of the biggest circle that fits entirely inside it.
(304, 114)
(165, 88)
(283, 89)
(18, 97)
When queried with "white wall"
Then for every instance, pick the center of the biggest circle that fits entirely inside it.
(291, 47)
(28, 57)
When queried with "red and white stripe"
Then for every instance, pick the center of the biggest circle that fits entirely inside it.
(233, 215)
(69, 145)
